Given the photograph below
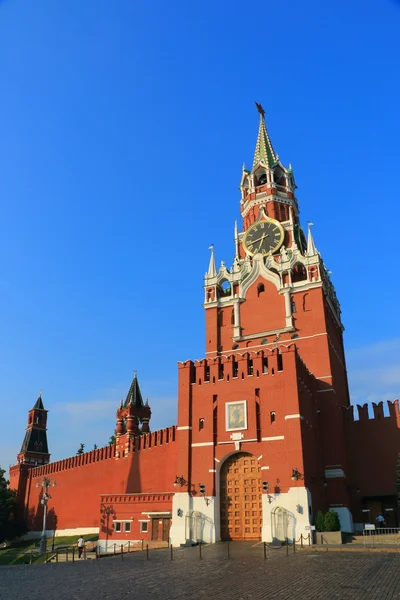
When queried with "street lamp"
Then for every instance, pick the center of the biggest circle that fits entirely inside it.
(45, 484)
(180, 480)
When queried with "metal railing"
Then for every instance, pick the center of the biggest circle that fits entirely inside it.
(204, 551)
(381, 536)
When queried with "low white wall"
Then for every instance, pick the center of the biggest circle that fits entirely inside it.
(35, 535)
(196, 521)
(286, 514)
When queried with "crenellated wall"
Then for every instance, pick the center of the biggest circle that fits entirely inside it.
(147, 465)
(373, 444)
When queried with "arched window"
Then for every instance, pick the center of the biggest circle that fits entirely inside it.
(305, 302)
(299, 273)
(272, 416)
(293, 306)
(201, 424)
(233, 317)
(260, 289)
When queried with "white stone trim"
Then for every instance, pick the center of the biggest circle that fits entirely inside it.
(273, 438)
(265, 334)
(260, 457)
(334, 473)
(212, 470)
(198, 444)
(264, 468)
(144, 520)
(240, 441)
(297, 416)
(183, 427)
(216, 460)
(122, 520)
(157, 512)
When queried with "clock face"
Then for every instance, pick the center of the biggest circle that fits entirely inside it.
(264, 237)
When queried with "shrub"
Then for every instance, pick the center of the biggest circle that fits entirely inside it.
(319, 521)
(331, 521)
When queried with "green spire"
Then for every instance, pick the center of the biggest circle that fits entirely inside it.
(264, 151)
(134, 396)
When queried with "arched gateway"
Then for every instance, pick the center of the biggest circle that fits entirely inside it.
(240, 498)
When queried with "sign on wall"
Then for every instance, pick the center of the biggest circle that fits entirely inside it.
(236, 415)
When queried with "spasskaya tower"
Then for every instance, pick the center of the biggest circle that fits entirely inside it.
(267, 398)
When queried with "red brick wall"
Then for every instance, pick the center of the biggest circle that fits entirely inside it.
(81, 479)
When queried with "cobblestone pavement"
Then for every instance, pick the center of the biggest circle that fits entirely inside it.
(246, 575)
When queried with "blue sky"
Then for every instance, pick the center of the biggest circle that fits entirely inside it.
(124, 128)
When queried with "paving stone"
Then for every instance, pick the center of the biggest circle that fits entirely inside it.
(245, 576)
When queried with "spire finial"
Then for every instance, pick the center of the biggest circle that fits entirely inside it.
(260, 110)
(212, 269)
(264, 151)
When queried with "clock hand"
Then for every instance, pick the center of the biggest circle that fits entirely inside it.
(258, 239)
(261, 238)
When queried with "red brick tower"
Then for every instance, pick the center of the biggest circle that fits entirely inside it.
(133, 418)
(34, 450)
(269, 397)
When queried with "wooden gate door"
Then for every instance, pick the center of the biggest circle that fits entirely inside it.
(240, 496)
(165, 529)
(154, 529)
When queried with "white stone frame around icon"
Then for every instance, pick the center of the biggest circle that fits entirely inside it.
(228, 422)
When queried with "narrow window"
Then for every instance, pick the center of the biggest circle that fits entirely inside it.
(250, 367)
(260, 289)
(207, 373)
(257, 392)
(235, 369)
(117, 526)
(144, 527)
(201, 424)
(127, 527)
(221, 371)
(272, 417)
(280, 362)
(220, 318)
(293, 306)
(305, 302)
(265, 365)
(232, 317)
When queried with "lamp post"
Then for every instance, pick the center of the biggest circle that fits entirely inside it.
(45, 484)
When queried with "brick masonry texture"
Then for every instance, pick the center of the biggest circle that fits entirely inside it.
(245, 576)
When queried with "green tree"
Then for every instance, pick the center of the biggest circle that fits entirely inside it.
(112, 439)
(81, 449)
(319, 521)
(11, 526)
(331, 521)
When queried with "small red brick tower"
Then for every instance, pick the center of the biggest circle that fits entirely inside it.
(268, 398)
(133, 418)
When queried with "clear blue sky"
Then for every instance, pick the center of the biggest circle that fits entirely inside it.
(124, 126)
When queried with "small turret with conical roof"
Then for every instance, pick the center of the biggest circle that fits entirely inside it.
(34, 449)
(133, 415)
